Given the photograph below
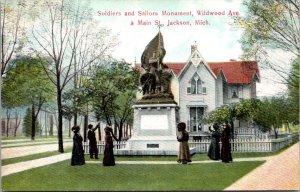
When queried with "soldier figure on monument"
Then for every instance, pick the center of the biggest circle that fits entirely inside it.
(156, 80)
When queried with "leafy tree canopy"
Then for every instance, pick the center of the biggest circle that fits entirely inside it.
(27, 84)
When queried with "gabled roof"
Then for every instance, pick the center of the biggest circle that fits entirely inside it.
(196, 59)
(235, 72)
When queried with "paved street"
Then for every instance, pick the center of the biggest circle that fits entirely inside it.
(281, 172)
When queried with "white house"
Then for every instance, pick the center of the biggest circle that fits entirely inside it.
(199, 86)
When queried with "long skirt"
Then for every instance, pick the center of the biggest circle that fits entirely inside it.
(184, 153)
(226, 152)
(108, 159)
(214, 150)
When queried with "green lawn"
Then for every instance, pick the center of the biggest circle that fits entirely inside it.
(61, 177)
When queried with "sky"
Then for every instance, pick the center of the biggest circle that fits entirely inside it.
(217, 40)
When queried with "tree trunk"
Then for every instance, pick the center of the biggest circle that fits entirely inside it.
(51, 125)
(45, 123)
(85, 126)
(18, 121)
(7, 122)
(275, 133)
(99, 133)
(115, 129)
(75, 118)
(130, 131)
(33, 119)
(120, 131)
(69, 128)
(60, 118)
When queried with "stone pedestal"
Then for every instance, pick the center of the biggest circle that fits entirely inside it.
(154, 131)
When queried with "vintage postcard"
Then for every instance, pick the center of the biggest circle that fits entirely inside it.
(148, 95)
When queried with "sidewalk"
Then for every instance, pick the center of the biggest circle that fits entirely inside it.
(281, 172)
(30, 143)
(13, 152)
(23, 166)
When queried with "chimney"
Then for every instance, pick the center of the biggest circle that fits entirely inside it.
(193, 48)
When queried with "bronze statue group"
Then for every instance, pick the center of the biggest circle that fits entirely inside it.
(184, 155)
(214, 152)
(78, 151)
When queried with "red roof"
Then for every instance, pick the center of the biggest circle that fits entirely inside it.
(234, 71)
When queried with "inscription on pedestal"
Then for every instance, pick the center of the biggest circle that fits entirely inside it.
(152, 145)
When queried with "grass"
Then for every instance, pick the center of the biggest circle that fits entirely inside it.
(61, 177)
(32, 157)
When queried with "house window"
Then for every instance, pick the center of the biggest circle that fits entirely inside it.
(236, 91)
(196, 116)
(196, 86)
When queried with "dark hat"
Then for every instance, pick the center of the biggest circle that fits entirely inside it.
(75, 128)
(181, 126)
(215, 126)
(108, 129)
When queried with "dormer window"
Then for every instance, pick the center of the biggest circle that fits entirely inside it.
(235, 91)
(196, 85)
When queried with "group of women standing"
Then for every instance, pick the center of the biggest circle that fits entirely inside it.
(214, 151)
(184, 156)
(78, 152)
(214, 148)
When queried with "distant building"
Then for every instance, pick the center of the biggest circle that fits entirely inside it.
(199, 87)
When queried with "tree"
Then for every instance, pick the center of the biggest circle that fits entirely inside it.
(27, 84)
(270, 25)
(293, 83)
(226, 113)
(112, 88)
(27, 124)
(61, 30)
(271, 114)
(243, 110)
(12, 32)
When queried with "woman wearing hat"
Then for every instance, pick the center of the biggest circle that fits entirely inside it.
(214, 147)
(184, 151)
(77, 152)
(226, 146)
(108, 159)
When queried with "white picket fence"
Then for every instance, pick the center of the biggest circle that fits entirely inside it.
(244, 145)
(249, 145)
(101, 145)
(250, 132)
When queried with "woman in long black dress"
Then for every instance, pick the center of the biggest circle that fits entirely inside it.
(108, 159)
(77, 152)
(214, 148)
(226, 146)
